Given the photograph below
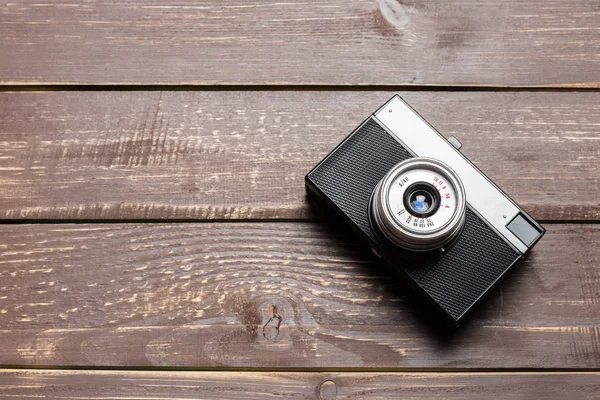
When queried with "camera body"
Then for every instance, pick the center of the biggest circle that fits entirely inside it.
(424, 208)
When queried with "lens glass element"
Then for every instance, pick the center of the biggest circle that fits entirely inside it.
(420, 202)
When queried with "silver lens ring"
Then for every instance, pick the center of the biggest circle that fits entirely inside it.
(419, 205)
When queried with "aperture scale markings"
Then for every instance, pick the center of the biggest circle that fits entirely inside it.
(416, 222)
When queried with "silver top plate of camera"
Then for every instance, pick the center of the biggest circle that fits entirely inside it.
(418, 137)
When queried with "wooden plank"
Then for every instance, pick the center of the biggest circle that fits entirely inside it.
(211, 42)
(275, 295)
(235, 155)
(89, 385)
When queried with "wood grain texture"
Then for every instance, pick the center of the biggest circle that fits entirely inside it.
(236, 155)
(151, 385)
(507, 43)
(275, 295)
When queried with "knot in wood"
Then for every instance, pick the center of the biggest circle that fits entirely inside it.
(327, 390)
(391, 14)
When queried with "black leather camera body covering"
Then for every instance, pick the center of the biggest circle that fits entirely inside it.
(491, 242)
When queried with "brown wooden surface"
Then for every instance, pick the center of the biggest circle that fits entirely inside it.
(507, 43)
(149, 385)
(236, 155)
(256, 94)
(275, 295)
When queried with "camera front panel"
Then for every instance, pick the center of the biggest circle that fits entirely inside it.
(454, 280)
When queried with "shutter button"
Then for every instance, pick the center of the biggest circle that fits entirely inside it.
(455, 142)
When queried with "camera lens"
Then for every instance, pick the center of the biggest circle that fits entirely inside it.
(421, 199)
(419, 205)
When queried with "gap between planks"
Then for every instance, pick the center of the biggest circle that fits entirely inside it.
(304, 370)
(253, 87)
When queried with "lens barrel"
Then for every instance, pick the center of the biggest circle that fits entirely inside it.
(419, 205)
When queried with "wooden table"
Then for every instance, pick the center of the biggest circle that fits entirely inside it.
(156, 241)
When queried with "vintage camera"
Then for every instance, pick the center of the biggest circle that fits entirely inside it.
(424, 208)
